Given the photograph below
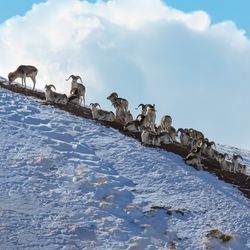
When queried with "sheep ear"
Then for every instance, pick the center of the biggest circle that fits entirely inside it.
(239, 157)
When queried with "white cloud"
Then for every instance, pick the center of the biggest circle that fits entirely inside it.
(147, 52)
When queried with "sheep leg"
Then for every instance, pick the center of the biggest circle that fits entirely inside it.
(24, 79)
(33, 78)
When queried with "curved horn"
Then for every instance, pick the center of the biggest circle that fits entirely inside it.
(140, 115)
(140, 105)
(72, 76)
(52, 86)
(78, 77)
(94, 104)
(238, 157)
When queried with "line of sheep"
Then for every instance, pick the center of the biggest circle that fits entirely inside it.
(200, 147)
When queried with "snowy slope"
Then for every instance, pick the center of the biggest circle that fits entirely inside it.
(69, 183)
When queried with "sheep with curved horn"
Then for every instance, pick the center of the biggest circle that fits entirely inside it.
(144, 108)
(208, 149)
(234, 164)
(99, 114)
(120, 105)
(54, 97)
(184, 136)
(221, 158)
(49, 94)
(81, 88)
(150, 117)
(239, 168)
(195, 134)
(194, 158)
(135, 125)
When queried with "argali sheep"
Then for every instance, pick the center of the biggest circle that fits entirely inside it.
(194, 158)
(128, 117)
(123, 116)
(54, 97)
(162, 138)
(150, 117)
(22, 72)
(102, 115)
(195, 134)
(195, 143)
(234, 165)
(208, 149)
(231, 166)
(166, 122)
(222, 159)
(184, 136)
(81, 88)
(242, 169)
(144, 107)
(148, 137)
(172, 133)
(120, 115)
(190, 137)
(120, 105)
(135, 125)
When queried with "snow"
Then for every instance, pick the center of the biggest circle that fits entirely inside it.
(2, 79)
(70, 183)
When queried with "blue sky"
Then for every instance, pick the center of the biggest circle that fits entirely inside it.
(219, 10)
(149, 51)
(11, 8)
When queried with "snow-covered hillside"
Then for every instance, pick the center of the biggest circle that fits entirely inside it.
(69, 183)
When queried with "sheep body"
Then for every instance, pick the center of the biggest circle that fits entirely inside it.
(22, 72)
(79, 86)
(54, 97)
(99, 114)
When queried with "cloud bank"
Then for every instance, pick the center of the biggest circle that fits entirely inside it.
(148, 52)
